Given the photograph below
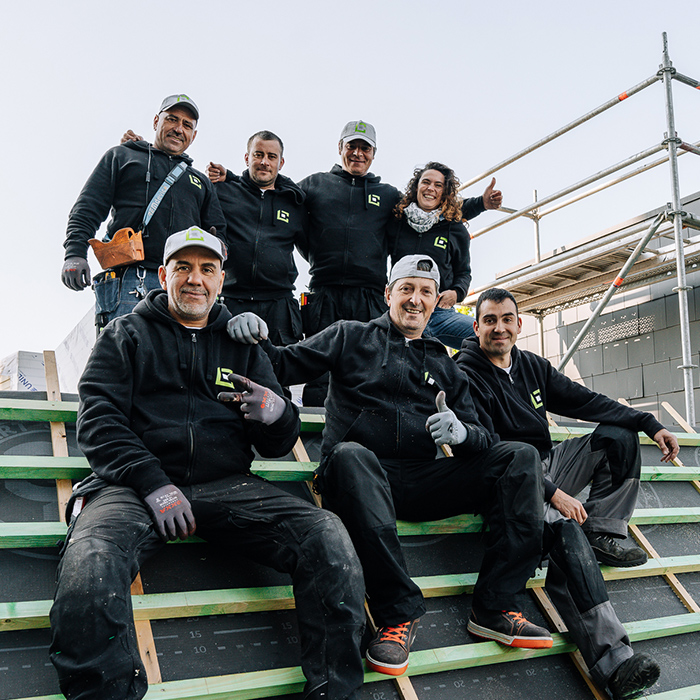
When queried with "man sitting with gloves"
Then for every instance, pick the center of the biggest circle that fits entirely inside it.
(380, 460)
(171, 454)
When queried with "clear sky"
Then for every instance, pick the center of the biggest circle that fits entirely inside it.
(463, 82)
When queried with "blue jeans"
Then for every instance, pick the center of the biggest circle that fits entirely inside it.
(115, 295)
(450, 327)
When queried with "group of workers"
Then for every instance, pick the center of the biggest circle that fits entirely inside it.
(199, 338)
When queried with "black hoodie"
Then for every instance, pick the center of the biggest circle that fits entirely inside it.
(118, 186)
(382, 387)
(149, 415)
(262, 227)
(346, 242)
(514, 406)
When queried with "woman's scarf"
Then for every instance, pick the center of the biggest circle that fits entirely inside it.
(421, 220)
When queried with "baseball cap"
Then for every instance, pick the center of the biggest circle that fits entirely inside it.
(194, 236)
(359, 130)
(408, 267)
(180, 101)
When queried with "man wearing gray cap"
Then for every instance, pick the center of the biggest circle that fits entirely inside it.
(170, 409)
(144, 187)
(379, 461)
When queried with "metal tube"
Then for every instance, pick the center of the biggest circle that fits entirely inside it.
(693, 148)
(685, 79)
(666, 70)
(617, 180)
(572, 188)
(536, 220)
(559, 132)
(612, 289)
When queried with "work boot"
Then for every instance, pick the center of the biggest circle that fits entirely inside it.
(608, 550)
(509, 628)
(388, 651)
(633, 676)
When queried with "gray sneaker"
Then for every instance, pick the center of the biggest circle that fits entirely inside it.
(633, 676)
(608, 550)
(388, 651)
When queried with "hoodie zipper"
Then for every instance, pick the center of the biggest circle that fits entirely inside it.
(190, 412)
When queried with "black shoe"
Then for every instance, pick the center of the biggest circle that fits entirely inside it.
(388, 651)
(509, 628)
(609, 551)
(633, 677)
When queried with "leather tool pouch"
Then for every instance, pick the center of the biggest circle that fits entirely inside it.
(126, 247)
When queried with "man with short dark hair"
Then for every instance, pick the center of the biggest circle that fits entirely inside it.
(512, 390)
(265, 216)
(380, 461)
(141, 186)
(170, 409)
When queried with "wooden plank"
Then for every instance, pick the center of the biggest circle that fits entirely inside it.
(59, 443)
(678, 417)
(28, 410)
(692, 692)
(144, 638)
(302, 470)
(670, 473)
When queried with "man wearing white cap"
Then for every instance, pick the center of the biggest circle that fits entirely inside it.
(379, 461)
(170, 409)
(146, 187)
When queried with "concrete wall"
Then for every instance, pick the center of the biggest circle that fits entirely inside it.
(632, 351)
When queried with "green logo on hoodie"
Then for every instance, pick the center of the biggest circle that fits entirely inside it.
(374, 199)
(536, 399)
(221, 372)
(283, 216)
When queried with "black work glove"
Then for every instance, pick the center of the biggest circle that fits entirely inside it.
(76, 274)
(171, 512)
(257, 402)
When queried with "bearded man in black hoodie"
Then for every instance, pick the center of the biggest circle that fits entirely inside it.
(171, 454)
(126, 184)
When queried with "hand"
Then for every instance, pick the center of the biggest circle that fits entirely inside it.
(492, 198)
(444, 426)
(129, 135)
(569, 507)
(667, 444)
(76, 274)
(447, 299)
(171, 513)
(247, 328)
(216, 172)
(257, 402)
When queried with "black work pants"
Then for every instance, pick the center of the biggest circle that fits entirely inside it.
(503, 483)
(577, 589)
(94, 645)
(326, 305)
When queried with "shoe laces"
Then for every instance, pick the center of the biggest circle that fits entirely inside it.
(398, 634)
(516, 616)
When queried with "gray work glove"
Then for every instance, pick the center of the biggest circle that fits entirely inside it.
(247, 328)
(171, 512)
(444, 426)
(76, 274)
(257, 402)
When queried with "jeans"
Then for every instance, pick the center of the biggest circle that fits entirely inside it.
(94, 645)
(503, 483)
(450, 327)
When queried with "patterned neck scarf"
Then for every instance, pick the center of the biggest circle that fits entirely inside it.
(420, 220)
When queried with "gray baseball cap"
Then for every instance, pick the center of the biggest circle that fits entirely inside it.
(408, 267)
(180, 101)
(194, 236)
(359, 130)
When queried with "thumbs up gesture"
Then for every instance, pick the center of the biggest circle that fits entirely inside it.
(492, 198)
(444, 426)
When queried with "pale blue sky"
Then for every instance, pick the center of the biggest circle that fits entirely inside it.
(463, 82)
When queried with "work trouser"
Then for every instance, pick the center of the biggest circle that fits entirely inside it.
(608, 459)
(576, 587)
(282, 316)
(326, 305)
(94, 645)
(503, 483)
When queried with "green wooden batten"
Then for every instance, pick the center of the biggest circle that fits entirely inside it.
(28, 410)
(160, 606)
(284, 681)
(690, 693)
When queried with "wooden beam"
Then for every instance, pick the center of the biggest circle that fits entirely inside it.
(28, 410)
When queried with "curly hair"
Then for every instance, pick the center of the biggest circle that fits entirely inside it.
(451, 206)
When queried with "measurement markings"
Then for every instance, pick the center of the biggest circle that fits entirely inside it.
(246, 629)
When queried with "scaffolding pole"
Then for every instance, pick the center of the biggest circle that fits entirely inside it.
(667, 72)
(612, 288)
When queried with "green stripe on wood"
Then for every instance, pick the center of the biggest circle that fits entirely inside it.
(692, 692)
(670, 474)
(28, 410)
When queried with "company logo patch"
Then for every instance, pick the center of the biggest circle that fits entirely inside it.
(194, 234)
(374, 199)
(220, 381)
(360, 128)
(440, 242)
(196, 181)
(536, 399)
(427, 378)
(283, 216)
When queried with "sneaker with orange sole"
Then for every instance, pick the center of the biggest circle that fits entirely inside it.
(509, 628)
(388, 651)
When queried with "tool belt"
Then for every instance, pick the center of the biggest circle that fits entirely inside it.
(125, 247)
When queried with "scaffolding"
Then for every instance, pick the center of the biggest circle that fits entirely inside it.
(581, 273)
